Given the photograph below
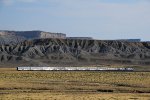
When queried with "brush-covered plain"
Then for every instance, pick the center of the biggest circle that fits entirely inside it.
(65, 85)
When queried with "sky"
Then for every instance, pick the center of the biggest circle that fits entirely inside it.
(100, 19)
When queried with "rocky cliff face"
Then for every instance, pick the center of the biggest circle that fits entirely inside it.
(59, 52)
(13, 37)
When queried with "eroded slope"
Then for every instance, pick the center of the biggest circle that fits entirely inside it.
(73, 52)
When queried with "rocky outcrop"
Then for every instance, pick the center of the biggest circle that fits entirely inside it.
(47, 52)
(40, 34)
(11, 39)
(7, 37)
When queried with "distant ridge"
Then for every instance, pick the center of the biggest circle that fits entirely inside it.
(38, 48)
(71, 52)
(7, 37)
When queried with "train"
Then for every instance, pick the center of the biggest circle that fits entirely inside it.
(28, 68)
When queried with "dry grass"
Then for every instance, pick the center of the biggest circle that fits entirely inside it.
(62, 96)
(78, 85)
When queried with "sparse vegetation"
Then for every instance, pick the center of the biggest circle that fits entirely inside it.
(62, 84)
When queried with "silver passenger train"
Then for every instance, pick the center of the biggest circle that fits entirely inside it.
(27, 68)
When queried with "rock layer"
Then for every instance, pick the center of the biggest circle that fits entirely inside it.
(44, 52)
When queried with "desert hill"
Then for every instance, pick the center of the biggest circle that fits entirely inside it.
(72, 52)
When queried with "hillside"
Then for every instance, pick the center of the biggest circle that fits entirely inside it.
(11, 37)
(71, 52)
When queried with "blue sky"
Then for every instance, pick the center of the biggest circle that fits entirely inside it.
(101, 19)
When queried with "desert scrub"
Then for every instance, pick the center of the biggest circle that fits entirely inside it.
(102, 77)
(11, 79)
